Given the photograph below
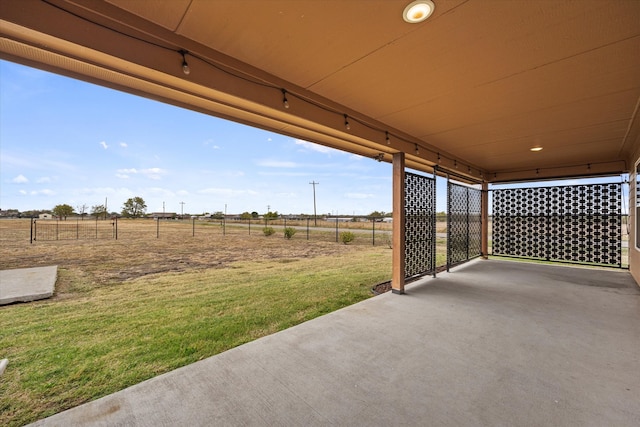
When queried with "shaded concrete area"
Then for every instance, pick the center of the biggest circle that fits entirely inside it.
(27, 284)
(491, 343)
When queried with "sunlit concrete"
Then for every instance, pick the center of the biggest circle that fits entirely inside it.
(490, 343)
(27, 284)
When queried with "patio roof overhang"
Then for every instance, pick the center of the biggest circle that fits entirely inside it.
(472, 89)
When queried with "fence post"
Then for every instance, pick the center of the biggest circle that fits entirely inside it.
(193, 227)
(307, 228)
(224, 226)
(336, 230)
(249, 226)
(157, 228)
(373, 230)
(116, 220)
(77, 229)
(33, 223)
(57, 226)
(285, 226)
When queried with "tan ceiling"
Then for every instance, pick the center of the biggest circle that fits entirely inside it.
(480, 82)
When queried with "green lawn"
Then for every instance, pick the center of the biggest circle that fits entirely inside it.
(68, 351)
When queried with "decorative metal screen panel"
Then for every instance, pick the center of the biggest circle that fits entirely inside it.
(420, 225)
(464, 227)
(579, 224)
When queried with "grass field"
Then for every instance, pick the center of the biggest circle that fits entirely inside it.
(129, 309)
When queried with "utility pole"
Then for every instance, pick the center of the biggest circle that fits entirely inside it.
(315, 217)
(181, 210)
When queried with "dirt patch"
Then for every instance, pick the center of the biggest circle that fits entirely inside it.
(138, 252)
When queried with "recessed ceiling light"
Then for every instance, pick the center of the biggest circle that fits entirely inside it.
(418, 11)
(536, 148)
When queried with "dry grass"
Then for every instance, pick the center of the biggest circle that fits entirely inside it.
(129, 309)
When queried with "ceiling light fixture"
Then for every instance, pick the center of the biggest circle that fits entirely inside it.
(285, 102)
(185, 66)
(346, 122)
(418, 11)
(536, 148)
(387, 138)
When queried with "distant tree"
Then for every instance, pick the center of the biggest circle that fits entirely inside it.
(62, 211)
(245, 215)
(255, 215)
(99, 211)
(272, 215)
(134, 207)
(377, 214)
(82, 210)
(217, 215)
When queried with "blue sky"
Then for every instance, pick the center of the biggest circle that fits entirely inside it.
(66, 141)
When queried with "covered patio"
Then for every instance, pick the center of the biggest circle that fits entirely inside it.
(489, 343)
(485, 92)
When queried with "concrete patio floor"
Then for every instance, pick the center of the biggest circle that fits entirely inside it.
(490, 343)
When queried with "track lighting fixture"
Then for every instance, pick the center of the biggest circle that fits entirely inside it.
(455, 164)
(185, 66)
(439, 159)
(387, 138)
(417, 149)
(285, 102)
(379, 157)
(347, 126)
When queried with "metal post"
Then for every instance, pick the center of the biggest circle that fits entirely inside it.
(249, 226)
(57, 225)
(157, 228)
(373, 230)
(307, 228)
(33, 223)
(224, 226)
(315, 216)
(77, 229)
(336, 230)
(116, 221)
(193, 227)
(285, 226)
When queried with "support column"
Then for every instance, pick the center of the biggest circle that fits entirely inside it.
(398, 260)
(484, 208)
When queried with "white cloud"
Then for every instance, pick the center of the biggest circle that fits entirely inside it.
(124, 145)
(315, 147)
(45, 192)
(23, 192)
(276, 164)
(227, 191)
(20, 179)
(286, 174)
(43, 180)
(151, 173)
(104, 145)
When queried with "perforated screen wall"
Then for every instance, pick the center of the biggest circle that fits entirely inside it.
(464, 227)
(581, 224)
(420, 228)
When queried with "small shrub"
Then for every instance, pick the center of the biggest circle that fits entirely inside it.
(289, 232)
(346, 237)
(268, 231)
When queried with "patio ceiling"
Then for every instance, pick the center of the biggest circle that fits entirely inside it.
(472, 89)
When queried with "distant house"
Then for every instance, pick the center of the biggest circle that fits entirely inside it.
(45, 216)
(163, 215)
